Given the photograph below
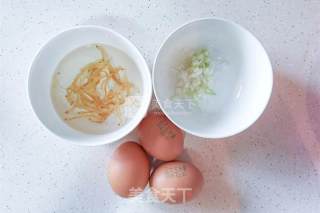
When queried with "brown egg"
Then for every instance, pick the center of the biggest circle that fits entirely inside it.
(128, 170)
(160, 137)
(176, 182)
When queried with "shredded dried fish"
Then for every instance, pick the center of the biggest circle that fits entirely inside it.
(98, 90)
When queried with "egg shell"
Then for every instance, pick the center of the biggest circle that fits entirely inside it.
(160, 137)
(128, 170)
(176, 182)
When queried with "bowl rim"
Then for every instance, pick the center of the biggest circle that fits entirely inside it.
(147, 84)
(195, 133)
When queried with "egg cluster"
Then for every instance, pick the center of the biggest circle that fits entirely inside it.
(130, 167)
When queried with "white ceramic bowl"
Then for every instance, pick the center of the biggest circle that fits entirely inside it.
(45, 63)
(242, 78)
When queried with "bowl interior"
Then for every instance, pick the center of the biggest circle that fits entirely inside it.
(242, 78)
(58, 49)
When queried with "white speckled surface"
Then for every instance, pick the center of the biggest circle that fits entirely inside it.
(272, 167)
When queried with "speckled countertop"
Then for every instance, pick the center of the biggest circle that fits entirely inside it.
(272, 167)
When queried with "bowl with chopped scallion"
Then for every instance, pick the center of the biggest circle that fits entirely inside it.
(212, 78)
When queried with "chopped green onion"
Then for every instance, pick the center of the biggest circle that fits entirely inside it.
(193, 80)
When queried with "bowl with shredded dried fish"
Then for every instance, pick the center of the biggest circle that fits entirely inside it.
(89, 85)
